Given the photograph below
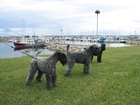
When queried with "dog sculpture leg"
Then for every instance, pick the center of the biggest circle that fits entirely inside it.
(54, 78)
(92, 57)
(49, 81)
(39, 75)
(99, 57)
(87, 68)
(69, 68)
(54, 81)
(31, 75)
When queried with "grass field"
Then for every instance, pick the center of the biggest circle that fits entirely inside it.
(116, 81)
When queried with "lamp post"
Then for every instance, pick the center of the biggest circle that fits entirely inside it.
(97, 12)
(61, 35)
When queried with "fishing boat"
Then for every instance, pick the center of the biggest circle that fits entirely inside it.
(24, 41)
(28, 42)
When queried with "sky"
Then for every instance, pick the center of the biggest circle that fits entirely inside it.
(69, 17)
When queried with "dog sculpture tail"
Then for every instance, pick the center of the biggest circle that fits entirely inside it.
(68, 46)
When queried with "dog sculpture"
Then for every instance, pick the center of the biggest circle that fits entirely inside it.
(46, 66)
(99, 57)
(81, 57)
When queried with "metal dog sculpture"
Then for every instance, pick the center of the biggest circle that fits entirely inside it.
(81, 57)
(99, 57)
(46, 66)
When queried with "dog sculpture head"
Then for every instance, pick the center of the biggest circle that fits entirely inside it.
(93, 49)
(103, 47)
(62, 57)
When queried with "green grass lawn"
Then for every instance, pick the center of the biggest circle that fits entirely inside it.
(116, 81)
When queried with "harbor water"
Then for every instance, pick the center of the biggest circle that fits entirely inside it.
(7, 52)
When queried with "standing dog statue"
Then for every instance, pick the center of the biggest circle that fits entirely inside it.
(46, 66)
(99, 57)
(81, 57)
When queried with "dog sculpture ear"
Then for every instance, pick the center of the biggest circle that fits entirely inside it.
(62, 58)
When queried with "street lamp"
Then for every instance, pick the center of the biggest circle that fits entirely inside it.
(97, 12)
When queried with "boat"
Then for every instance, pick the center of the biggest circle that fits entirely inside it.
(28, 42)
(24, 41)
(28, 47)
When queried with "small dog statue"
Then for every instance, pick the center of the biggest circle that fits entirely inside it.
(81, 57)
(99, 57)
(46, 66)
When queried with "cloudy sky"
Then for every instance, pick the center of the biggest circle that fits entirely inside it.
(74, 17)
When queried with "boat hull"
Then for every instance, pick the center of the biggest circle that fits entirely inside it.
(17, 44)
(24, 46)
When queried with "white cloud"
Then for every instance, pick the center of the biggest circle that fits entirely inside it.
(75, 15)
